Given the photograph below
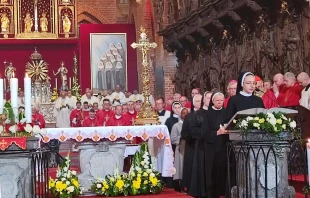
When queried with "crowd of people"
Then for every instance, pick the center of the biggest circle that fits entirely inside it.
(196, 124)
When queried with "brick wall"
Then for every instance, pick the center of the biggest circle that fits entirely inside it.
(141, 12)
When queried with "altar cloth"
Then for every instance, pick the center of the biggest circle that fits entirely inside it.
(6, 142)
(157, 133)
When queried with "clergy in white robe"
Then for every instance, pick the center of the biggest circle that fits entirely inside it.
(63, 108)
(135, 96)
(88, 97)
(117, 97)
(72, 98)
(304, 80)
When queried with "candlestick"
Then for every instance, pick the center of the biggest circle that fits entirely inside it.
(56, 83)
(69, 82)
(1, 96)
(28, 98)
(14, 96)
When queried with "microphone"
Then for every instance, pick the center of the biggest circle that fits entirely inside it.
(258, 90)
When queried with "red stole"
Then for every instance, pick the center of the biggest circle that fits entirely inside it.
(76, 113)
(122, 121)
(226, 101)
(91, 122)
(85, 113)
(104, 115)
(131, 116)
(290, 96)
(38, 119)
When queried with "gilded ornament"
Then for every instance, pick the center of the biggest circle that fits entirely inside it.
(44, 23)
(28, 23)
(37, 68)
(5, 23)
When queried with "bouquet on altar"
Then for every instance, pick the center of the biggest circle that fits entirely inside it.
(272, 123)
(141, 179)
(66, 185)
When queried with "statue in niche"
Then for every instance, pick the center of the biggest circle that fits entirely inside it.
(291, 44)
(63, 75)
(4, 1)
(28, 23)
(66, 23)
(9, 71)
(160, 12)
(44, 23)
(5, 22)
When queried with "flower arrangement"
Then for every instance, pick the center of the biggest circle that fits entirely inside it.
(66, 184)
(272, 123)
(141, 179)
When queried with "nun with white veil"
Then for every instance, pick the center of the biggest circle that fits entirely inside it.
(109, 76)
(101, 76)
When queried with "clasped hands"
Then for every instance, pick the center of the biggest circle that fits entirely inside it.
(221, 131)
(64, 106)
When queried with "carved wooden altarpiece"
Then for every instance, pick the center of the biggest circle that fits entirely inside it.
(38, 19)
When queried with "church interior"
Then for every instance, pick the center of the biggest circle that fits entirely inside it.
(74, 70)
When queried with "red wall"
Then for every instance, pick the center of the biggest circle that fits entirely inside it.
(84, 46)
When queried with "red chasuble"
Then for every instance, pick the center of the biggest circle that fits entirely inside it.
(269, 99)
(291, 96)
(76, 113)
(38, 119)
(104, 115)
(122, 121)
(88, 122)
(131, 116)
(226, 101)
(85, 113)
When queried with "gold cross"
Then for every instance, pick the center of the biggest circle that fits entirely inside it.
(3, 143)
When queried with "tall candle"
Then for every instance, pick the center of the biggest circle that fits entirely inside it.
(69, 82)
(56, 83)
(28, 98)
(14, 96)
(1, 95)
(308, 157)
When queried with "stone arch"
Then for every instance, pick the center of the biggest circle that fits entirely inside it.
(90, 12)
(89, 17)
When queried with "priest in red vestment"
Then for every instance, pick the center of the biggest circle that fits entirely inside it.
(106, 111)
(268, 97)
(131, 113)
(231, 91)
(291, 95)
(85, 110)
(118, 119)
(76, 116)
(92, 120)
(37, 118)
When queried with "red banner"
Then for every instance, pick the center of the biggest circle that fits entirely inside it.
(6, 142)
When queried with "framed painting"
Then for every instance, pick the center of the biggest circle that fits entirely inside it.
(108, 61)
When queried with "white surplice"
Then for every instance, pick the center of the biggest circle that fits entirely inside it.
(90, 100)
(117, 96)
(63, 113)
(305, 97)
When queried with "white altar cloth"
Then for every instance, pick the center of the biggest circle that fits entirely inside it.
(157, 133)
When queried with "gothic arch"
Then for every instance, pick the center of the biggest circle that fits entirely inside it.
(94, 15)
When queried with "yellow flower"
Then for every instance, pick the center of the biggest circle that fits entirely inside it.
(105, 185)
(103, 189)
(279, 121)
(51, 183)
(112, 179)
(145, 182)
(262, 120)
(136, 184)
(139, 179)
(75, 182)
(60, 186)
(154, 181)
(120, 184)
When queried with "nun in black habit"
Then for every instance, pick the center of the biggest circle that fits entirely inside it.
(174, 116)
(244, 99)
(189, 127)
(215, 137)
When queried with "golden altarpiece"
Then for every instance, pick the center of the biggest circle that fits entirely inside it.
(38, 19)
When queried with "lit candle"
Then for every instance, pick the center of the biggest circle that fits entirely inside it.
(28, 98)
(1, 96)
(14, 96)
(308, 157)
(56, 83)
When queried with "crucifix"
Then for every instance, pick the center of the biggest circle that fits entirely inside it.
(147, 112)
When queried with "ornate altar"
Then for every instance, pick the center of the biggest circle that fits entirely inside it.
(38, 18)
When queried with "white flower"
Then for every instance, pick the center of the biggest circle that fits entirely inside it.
(28, 128)
(148, 170)
(23, 120)
(283, 126)
(1, 128)
(73, 172)
(142, 163)
(146, 166)
(99, 186)
(249, 118)
(63, 179)
(293, 124)
(70, 189)
(65, 169)
(256, 125)
(244, 123)
(273, 121)
(67, 182)
(283, 117)
(36, 129)
(270, 115)
(152, 175)
(13, 128)
(68, 175)
(138, 169)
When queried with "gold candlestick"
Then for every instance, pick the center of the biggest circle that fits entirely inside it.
(76, 87)
(147, 115)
